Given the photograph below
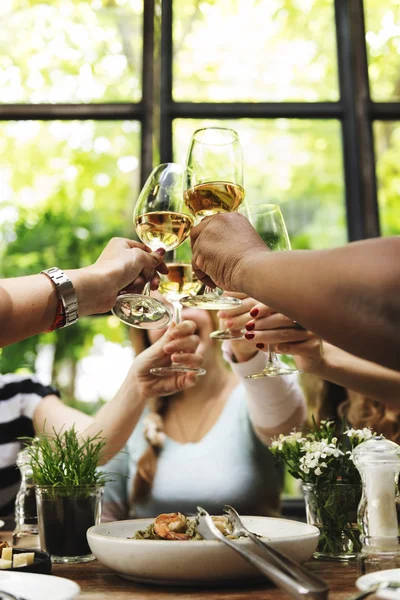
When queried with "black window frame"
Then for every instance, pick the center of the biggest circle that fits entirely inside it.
(157, 110)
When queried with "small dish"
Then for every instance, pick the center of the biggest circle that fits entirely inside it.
(33, 586)
(41, 564)
(366, 581)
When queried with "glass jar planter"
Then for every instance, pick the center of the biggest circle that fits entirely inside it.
(64, 516)
(333, 509)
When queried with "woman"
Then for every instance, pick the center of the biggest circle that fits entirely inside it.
(207, 446)
(28, 407)
(366, 394)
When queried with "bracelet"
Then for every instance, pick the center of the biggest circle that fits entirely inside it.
(67, 310)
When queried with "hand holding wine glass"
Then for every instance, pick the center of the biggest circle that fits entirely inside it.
(161, 220)
(213, 184)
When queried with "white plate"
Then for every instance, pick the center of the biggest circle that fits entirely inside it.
(366, 581)
(193, 562)
(33, 586)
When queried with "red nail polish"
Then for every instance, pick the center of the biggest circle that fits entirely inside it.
(254, 312)
(260, 346)
(249, 336)
(160, 251)
(250, 326)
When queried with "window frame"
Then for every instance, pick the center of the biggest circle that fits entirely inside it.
(157, 110)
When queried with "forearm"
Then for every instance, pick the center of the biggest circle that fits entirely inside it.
(28, 305)
(362, 376)
(349, 296)
(116, 420)
(275, 405)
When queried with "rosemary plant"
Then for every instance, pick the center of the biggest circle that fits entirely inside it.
(66, 460)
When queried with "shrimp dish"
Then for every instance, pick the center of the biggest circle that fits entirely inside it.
(178, 527)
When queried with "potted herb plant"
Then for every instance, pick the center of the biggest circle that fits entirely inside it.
(69, 491)
(330, 481)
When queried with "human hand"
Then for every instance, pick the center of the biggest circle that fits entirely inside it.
(123, 265)
(267, 327)
(178, 345)
(235, 320)
(222, 245)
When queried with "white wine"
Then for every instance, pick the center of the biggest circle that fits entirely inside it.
(214, 197)
(163, 229)
(180, 281)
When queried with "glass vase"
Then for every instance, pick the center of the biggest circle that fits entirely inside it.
(64, 516)
(333, 509)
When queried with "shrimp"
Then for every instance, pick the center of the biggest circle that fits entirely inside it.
(171, 526)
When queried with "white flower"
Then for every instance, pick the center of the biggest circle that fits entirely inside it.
(360, 434)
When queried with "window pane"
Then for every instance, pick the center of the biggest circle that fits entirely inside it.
(70, 51)
(254, 50)
(294, 163)
(67, 188)
(387, 150)
(383, 44)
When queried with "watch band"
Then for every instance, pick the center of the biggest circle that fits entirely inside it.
(66, 293)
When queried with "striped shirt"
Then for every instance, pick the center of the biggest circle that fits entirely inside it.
(19, 397)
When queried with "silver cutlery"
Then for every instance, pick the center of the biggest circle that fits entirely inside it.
(389, 585)
(281, 570)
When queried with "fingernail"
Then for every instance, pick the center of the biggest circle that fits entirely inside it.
(260, 346)
(160, 251)
(230, 323)
(249, 336)
(254, 312)
(250, 326)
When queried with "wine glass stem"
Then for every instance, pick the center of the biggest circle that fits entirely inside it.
(177, 311)
(271, 356)
(209, 291)
(146, 289)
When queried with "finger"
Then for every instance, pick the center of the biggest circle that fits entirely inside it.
(307, 346)
(196, 231)
(135, 244)
(164, 386)
(136, 287)
(186, 344)
(278, 336)
(244, 308)
(154, 282)
(189, 359)
(261, 310)
(239, 295)
(201, 276)
(274, 321)
(180, 330)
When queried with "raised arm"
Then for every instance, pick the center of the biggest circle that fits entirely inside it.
(116, 420)
(28, 305)
(349, 296)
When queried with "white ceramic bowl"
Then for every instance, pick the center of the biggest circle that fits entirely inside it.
(193, 562)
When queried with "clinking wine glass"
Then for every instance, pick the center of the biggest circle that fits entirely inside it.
(178, 283)
(161, 220)
(269, 223)
(213, 184)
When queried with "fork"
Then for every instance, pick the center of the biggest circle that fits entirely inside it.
(299, 587)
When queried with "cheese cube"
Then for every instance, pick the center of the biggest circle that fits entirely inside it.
(23, 559)
(5, 564)
(6, 554)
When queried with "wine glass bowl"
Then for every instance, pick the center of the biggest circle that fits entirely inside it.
(213, 183)
(161, 220)
(269, 223)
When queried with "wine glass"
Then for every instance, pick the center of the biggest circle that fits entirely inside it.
(179, 282)
(268, 221)
(213, 184)
(161, 220)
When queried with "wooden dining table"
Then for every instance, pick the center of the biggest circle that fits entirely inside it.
(98, 582)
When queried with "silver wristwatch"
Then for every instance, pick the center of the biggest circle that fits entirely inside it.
(66, 292)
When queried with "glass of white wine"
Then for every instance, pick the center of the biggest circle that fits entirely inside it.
(178, 283)
(213, 184)
(161, 220)
(269, 223)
